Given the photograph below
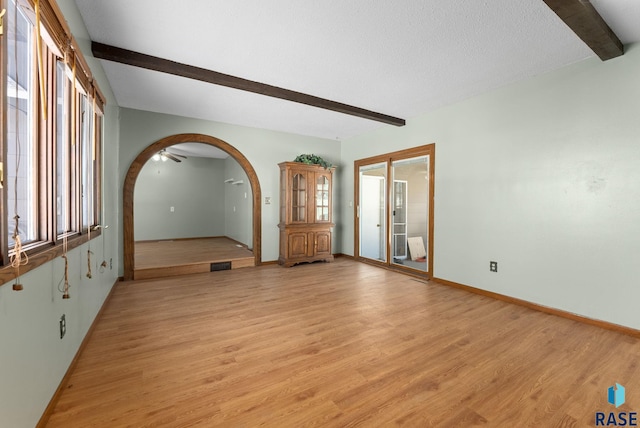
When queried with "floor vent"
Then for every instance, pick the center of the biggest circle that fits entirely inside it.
(220, 266)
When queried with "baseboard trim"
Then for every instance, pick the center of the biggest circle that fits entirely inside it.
(336, 255)
(65, 380)
(424, 276)
(342, 255)
(193, 238)
(541, 308)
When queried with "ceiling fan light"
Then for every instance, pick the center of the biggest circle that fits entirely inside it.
(156, 157)
(163, 157)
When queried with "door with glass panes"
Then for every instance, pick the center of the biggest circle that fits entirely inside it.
(394, 216)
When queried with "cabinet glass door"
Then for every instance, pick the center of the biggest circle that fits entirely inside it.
(299, 198)
(322, 198)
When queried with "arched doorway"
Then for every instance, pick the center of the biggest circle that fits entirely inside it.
(145, 155)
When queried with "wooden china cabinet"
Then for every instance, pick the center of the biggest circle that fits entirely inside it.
(305, 213)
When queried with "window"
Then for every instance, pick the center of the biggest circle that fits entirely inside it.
(50, 150)
(20, 166)
(67, 152)
(96, 159)
(88, 157)
(64, 158)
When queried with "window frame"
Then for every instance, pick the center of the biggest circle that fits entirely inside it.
(63, 153)
(57, 45)
(35, 143)
(3, 194)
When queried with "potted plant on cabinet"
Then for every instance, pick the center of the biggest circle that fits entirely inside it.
(313, 160)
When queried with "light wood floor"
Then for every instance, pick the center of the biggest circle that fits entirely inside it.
(157, 259)
(335, 345)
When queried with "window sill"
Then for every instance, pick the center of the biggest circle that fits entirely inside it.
(45, 255)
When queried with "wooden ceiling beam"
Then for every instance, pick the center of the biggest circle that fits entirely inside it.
(586, 22)
(136, 59)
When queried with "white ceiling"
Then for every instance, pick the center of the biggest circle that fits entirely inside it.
(200, 150)
(400, 58)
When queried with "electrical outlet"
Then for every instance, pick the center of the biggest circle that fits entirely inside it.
(63, 326)
(110, 263)
(493, 266)
(267, 200)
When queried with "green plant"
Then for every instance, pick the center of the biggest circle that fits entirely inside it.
(313, 160)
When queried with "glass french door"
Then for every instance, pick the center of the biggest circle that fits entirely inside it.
(399, 220)
(395, 209)
(372, 211)
(410, 213)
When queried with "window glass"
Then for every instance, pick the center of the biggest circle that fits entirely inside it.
(97, 145)
(410, 215)
(63, 151)
(88, 156)
(20, 169)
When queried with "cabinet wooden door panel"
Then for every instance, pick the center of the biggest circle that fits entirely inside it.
(298, 243)
(323, 243)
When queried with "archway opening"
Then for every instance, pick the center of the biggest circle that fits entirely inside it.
(147, 154)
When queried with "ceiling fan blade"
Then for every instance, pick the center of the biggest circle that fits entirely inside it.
(175, 154)
(172, 157)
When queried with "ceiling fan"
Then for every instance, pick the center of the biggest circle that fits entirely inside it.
(164, 155)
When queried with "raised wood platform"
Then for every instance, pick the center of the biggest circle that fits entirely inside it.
(159, 259)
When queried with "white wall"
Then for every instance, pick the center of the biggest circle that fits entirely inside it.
(33, 358)
(194, 188)
(238, 204)
(540, 176)
(264, 149)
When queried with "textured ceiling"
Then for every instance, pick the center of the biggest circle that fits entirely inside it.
(397, 58)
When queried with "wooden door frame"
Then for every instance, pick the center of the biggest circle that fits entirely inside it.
(141, 160)
(389, 158)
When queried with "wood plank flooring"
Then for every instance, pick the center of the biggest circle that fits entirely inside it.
(158, 259)
(337, 345)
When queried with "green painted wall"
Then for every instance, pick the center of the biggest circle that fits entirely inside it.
(541, 176)
(33, 358)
